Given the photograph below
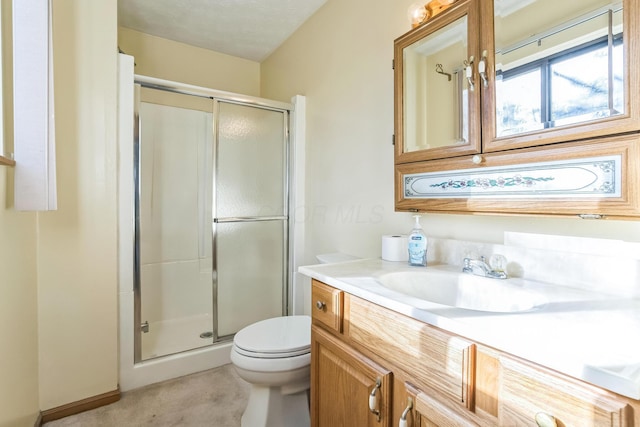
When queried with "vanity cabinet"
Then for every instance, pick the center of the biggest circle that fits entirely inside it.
(518, 393)
(344, 381)
(347, 388)
(486, 90)
(423, 376)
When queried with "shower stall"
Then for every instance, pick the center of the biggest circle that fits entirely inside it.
(210, 218)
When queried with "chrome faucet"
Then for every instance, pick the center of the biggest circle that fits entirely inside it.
(479, 267)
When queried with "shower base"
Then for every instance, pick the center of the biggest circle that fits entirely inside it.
(176, 335)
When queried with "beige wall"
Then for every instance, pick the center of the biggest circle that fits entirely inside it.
(58, 306)
(77, 244)
(341, 60)
(18, 281)
(169, 60)
(18, 312)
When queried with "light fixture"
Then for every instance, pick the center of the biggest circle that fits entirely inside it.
(419, 12)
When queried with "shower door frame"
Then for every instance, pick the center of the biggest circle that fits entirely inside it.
(216, 98)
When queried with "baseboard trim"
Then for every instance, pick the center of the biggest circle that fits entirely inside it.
(80, 406)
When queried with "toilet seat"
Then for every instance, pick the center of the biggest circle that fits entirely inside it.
(274, 357)
(275, 338)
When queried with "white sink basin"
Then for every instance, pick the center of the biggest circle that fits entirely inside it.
(464, 290)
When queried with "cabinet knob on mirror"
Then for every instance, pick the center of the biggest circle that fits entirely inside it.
(477, 159)
(320, 305)
(545, 420)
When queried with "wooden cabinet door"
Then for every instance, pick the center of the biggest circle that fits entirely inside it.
(528, 391)
(434, 358)
(542, 180)
(342, 381)
(521, 46)
(437, 117)
(404, 404)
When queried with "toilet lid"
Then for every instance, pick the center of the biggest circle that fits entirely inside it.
(277, 337)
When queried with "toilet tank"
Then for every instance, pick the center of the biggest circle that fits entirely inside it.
(335, 257)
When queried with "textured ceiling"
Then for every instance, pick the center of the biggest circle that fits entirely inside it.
(249, 29)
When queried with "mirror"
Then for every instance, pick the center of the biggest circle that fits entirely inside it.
(568, 71)
(435, 90)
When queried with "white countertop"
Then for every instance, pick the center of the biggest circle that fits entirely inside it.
(590, 336)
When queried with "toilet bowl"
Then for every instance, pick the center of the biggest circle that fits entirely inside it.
(274, 356)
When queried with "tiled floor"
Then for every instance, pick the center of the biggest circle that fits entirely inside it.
(216, 397)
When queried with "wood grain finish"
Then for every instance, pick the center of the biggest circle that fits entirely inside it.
(341, 382)
(327, 305)
(458, 10)
(487, 382)
(625, 206)
(627, 122)
(435, 413)
(527, 390)
(80, 406)
(435, 359)
(607, 136)
(404, 393)
(453, 381)
(5, 161)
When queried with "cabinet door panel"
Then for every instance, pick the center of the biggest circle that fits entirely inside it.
(527, 391)
(588, 177)
(434, 413)
(435, 358)
(560, 77)
(341, 383)
(437, 116)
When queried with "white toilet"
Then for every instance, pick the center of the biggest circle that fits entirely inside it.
(274, 356)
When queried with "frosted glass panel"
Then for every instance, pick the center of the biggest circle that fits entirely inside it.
(250, 161)
(250, 258)
(202, 164)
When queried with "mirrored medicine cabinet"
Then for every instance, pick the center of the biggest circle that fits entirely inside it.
(503, 106)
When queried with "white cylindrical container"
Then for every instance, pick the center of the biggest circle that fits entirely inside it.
(394, 247)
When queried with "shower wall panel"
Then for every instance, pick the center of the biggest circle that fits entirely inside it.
(175, 226)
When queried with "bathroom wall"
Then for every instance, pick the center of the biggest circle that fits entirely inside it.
(18, 281)
(58, 285)
(341, 60)
(58, 301)
(169, 60)
(77, 244)
(18, 311)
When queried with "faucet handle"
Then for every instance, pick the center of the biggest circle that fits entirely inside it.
(498, 262)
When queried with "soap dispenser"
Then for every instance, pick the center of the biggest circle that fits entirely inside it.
(417, 245)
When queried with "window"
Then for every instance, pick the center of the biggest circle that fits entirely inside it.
(576, 85)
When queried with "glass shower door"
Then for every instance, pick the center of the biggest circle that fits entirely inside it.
(250, 215)
(211, 242)
(173, 211)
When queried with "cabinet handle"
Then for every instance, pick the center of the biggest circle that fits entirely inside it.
(320, 305)
(373, 399)
(482, 68)
(469, 72)
(405, 413)
(545, 420)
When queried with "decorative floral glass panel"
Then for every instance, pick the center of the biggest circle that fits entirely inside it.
(595, 177)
